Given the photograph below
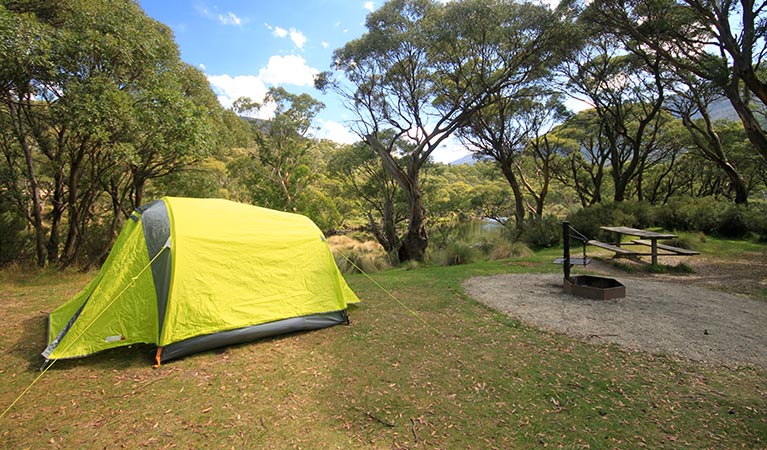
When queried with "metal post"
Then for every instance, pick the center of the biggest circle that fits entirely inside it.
(566, 243)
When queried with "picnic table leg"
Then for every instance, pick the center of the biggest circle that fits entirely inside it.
(654, 251)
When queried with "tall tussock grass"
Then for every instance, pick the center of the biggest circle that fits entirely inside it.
(352, 255)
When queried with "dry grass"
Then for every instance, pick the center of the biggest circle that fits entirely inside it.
(368, 256)
(442, 372)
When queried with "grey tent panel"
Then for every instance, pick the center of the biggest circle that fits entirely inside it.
(252, 333)
(156, 223)
(55, 342)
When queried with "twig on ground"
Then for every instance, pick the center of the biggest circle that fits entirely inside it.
(381, 421)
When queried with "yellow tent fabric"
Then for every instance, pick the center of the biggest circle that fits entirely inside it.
(231, 267)
(236, 265)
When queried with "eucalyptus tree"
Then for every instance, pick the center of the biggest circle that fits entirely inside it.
(545, 151)
(83, 84)
(373, 189)
(422, 69)
(284, 160)
(721, 41)
(515, 122)
(178, 123)
(628, 93)
(691, 102)
(581, 140)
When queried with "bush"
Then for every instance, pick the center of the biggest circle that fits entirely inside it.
(757, 221)
(704, 215)
(692, 214)
(733, 222)
(542, 232)
(16, 244)
(629, 214)
(685, 242)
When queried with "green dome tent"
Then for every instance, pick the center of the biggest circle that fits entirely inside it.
(193, 274)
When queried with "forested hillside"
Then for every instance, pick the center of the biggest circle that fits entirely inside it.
(99, 115)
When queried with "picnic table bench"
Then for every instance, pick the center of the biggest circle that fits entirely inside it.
(650, 240)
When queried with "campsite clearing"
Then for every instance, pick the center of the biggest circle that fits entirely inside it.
(388, 380)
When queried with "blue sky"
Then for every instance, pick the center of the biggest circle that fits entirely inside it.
(245, 47)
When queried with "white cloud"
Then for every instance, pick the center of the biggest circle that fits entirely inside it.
(577, 105)
(334, 131)
(369, 6)
(450, 150)
(297, 37)
(229, 18)
(280, 32)
(229, 88)
(325, 44)
(201, 66)
(290, 69)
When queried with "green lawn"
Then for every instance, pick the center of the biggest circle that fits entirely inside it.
(444, 372)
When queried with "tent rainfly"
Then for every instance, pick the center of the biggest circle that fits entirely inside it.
(194, 274)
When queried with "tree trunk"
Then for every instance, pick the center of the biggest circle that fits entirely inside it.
(414, 243)
(756, 135)
(57, 212)
(34, 187)
(37, 213)
(519, 200)
(138, 191)
(389, 226)
(736, 182)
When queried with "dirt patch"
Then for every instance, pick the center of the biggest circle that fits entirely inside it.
(659, 316)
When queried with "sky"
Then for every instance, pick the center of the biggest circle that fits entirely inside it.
(246, 47)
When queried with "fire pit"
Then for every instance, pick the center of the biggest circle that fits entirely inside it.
(599, 288)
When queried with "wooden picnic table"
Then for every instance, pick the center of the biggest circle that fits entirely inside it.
(651, 235)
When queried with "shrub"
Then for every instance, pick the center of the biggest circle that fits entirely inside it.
(630, 214)
(16, 243)
(542, 232)
(733, 222)
(757, 221)
(692, 214)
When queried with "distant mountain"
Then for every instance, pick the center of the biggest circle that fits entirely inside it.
(722, 110)
(469, 159)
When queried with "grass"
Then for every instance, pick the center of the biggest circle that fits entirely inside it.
(441, 372)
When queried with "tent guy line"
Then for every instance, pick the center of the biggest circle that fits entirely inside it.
(49, 363)
(407, 308)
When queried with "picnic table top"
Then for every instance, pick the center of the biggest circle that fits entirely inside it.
(641, 233)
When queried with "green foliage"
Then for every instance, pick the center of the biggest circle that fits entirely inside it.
(15, 242)
(692, 214)
(627, 213)
(542, 232)
(712, 216)
(319, 207)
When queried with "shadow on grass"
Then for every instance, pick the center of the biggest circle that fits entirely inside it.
(34, 338)
(32, 341)
(116, 358)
